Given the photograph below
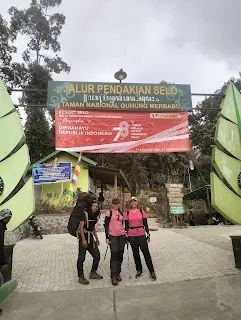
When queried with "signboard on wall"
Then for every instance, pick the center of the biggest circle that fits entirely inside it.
(121, 131)
(176, 210)
(122, 96)
(49, 173)
(153, 199)
(175, 197)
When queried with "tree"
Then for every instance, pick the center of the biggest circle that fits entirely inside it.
(203, 125)
(37, 129)
(43, 30)
(6, 51)
(40, 61)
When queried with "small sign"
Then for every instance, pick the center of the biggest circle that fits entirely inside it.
(176, 204)
(176, 210)
(174, 199)
(174, 185)
(153, 200)
(174, 190)
(174, 195)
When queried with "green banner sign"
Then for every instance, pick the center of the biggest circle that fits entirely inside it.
(119, 96)
(176, 210)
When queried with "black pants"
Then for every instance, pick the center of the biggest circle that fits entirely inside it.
(138, 243)
(93, 250)
(117, 247)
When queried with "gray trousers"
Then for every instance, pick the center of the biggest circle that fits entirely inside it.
(117, 247)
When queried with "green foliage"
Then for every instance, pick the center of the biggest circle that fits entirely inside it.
(37, 129)
(6, 51)
(44, 207)
(202, 131)
(154, 170)
(40, 60)
(42, 30)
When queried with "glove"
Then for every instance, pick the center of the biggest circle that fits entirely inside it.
(148, 238)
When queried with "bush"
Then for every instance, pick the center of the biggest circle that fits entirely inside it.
(44, 207)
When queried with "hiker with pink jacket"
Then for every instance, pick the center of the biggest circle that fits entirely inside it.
(115, 238)
(137, 229)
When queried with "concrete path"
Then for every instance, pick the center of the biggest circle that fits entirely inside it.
(50, 264)
(48, 287)
(207, 299)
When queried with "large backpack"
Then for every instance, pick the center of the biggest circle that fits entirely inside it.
(83, 202)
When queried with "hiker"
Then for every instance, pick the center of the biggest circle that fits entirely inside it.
(88, 241)
(192, 221)
(5, 216)
(101, 200)
(215, 219)
(138, 235)
(115, 238)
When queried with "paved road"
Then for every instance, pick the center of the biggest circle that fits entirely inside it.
(207, 299)
(50, 264)
(216, 236)
(48, 288)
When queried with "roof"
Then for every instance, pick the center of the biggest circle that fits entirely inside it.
(107, 175)
(74, 154)
(200, 193)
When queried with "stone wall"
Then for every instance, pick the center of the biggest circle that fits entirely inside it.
(54, 223)
(57, 223)
(20, 233)
(51, 224)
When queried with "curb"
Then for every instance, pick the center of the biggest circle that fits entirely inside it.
(7, 288)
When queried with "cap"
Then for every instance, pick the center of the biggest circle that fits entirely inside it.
(5, 213)
(133, 199)
(115, 201)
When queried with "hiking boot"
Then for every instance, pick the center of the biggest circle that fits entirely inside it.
(114, 282)
(95, 276)
(139, 273)
(82, 280)
(153, 276)
(118, 278)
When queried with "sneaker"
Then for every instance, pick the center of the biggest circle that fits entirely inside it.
(95, 276)
(139, 273)
(82, 280)
(153, 276)
(118, 278)
(114, 282)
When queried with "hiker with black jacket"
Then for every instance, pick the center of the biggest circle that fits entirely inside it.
(5, 216)
(138, 235)
(116, 238)
(88, 239)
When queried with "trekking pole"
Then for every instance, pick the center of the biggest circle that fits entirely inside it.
(106, 251)
(129, 266)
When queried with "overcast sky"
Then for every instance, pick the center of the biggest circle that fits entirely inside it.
(183, 41)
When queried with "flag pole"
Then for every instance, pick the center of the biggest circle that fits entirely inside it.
(74, 178)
